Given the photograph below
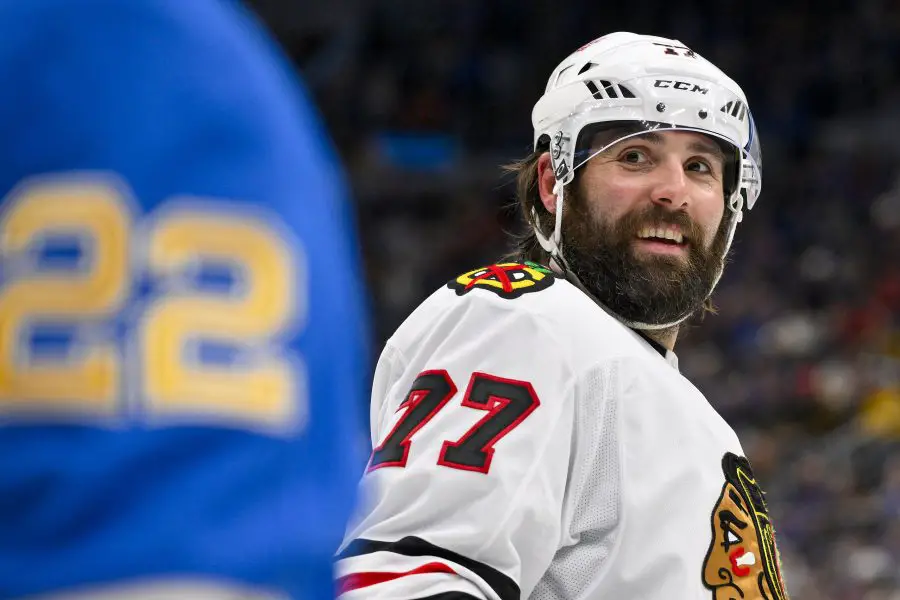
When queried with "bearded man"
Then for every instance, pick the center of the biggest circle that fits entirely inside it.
(532, 435)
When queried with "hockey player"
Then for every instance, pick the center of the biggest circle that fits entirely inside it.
(182, 347)
(533, 437)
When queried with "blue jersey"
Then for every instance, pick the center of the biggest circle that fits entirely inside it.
(182, 331)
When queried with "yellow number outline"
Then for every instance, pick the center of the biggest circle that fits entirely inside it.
(152, 368)
(264, 389)
(93, 209)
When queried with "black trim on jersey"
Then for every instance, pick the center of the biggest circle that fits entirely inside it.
(653, 343)
(450, 596)
(502, 585)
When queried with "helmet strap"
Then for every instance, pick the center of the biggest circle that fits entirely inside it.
(553, 244)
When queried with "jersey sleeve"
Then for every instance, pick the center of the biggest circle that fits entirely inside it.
(464, 491)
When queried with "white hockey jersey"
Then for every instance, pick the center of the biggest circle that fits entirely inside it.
(529, 445)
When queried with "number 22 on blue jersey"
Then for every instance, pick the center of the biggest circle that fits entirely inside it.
(135, 315)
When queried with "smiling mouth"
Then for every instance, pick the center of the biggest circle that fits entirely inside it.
(662, 245)
(664, 234)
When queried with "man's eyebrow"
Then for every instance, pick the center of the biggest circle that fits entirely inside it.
(707, 147)
(702, 145)
(651, 136)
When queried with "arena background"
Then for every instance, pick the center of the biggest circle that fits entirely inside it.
(426, 98)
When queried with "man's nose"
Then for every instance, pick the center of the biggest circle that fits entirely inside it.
(670, 185)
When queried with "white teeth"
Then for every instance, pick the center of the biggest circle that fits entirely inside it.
(664, 233)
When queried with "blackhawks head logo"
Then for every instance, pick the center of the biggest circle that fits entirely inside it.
(507, 280)
(742, 560)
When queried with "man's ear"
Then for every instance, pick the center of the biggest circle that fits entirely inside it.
(546, 179)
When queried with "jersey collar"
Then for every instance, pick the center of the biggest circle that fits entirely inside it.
(669, 356)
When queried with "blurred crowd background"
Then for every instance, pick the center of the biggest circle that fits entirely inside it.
(425, 100)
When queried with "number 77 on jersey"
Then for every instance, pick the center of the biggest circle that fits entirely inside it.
(508, 402)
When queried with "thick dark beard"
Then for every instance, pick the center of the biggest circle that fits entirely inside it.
(654, 290)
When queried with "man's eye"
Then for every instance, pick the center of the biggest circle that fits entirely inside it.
(700, 166)
(634, 157)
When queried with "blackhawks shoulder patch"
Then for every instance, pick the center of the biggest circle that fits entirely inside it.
(507, 280)
(742, 559)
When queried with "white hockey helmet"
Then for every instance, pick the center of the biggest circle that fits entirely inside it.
(646, 83)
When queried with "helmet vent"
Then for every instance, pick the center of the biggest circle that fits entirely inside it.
(587, 67)
(736, 109)
(564, 72)
(608, 90)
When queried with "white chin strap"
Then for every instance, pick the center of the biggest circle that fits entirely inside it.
(553, 247)
(551, 244)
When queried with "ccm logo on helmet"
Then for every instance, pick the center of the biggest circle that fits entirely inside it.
(680, 85)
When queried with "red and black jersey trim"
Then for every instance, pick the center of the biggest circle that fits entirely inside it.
(503, 585)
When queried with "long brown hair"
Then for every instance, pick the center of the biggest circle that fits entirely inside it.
(525, 243)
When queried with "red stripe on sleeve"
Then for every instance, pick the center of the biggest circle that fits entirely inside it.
(355, 581)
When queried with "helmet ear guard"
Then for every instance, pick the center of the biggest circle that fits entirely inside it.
(551, 244)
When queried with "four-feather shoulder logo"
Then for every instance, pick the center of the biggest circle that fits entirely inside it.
(507, 280)
(742, 560)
